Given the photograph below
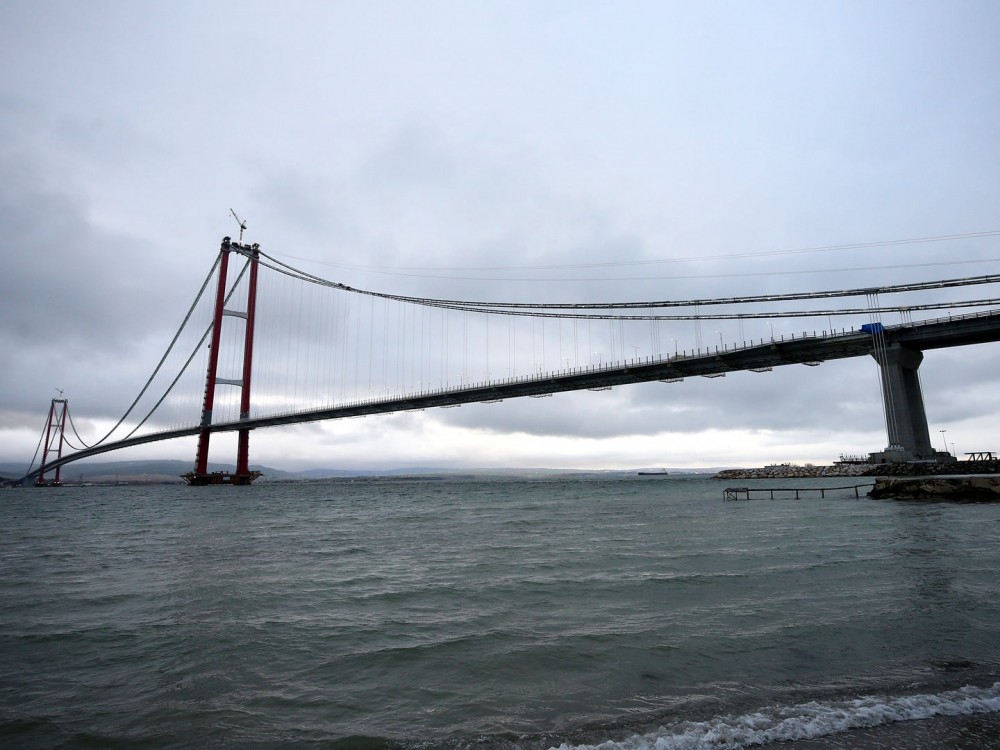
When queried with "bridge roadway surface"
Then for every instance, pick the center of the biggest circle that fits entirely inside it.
(977, 328)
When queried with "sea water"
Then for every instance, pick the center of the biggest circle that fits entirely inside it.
(620, 613)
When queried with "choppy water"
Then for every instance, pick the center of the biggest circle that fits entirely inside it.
(639, 612)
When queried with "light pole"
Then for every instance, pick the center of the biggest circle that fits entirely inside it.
(720, 338)
(772, 330)
(675, 346)
(943, 440)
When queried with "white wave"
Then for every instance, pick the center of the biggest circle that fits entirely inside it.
(806, 721)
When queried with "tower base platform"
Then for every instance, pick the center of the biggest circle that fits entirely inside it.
(196, 479)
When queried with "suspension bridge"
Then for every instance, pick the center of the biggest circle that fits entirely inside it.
(277, 346)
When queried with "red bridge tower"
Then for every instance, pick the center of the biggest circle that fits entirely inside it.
(56, 424)
(243, 475)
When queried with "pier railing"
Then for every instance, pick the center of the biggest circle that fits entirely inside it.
(747, 493)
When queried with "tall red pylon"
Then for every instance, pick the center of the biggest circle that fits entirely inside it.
(57, 421)
(243, 475)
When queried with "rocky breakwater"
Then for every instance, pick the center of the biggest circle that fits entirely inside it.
(970, 489)
(789, 471)
(927, 468)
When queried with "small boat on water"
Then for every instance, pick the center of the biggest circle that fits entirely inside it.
(655, 473)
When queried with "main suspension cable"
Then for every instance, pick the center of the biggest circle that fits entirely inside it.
(34, 457)
(501, 307)
(163, 359)
(190, 358)
(841, 312)
(399, 270)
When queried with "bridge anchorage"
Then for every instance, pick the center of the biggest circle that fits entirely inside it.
(902, 400)
(200, 476)
(905, 417)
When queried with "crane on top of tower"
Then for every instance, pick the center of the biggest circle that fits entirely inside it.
(240, 221)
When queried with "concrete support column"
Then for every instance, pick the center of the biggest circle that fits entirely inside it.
(906, 420)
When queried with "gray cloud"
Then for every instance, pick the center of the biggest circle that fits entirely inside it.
(563, 153)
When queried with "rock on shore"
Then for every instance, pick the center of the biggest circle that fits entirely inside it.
(789, 471)
(976, 489)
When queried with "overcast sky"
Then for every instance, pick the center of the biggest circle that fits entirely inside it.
(690, 148)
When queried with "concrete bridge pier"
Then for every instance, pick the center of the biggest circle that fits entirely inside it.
(905, 418)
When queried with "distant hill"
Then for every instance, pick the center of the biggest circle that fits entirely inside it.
(171, 470)
(131, 471)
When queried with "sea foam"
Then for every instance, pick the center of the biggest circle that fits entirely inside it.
(806, 721)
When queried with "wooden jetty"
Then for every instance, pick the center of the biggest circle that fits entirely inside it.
(747, 493)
